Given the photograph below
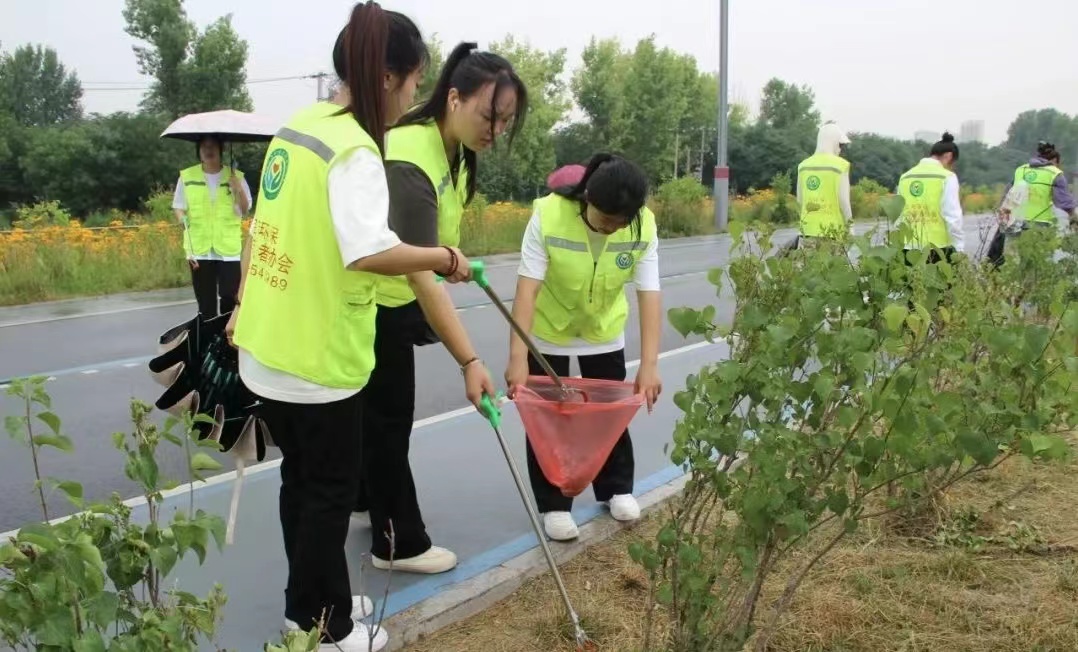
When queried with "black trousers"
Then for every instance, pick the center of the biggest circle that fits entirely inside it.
(388, 489)
(320, 446)
(616, 476)
(216, 279)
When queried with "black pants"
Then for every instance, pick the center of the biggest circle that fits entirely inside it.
(616, 476)
(388, 489)
(321, 448)
(213, 279)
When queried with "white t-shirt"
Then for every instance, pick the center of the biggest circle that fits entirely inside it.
(359, 206)
(534, 262)
(179, 201)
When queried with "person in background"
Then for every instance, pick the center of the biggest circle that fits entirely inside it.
(1046, 188)
(431, 171)
(305, 322)
(823, 186)
(582, 246)
(933, 206)
(212, 214)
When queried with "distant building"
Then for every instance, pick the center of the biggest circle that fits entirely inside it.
(926, 136)
(971, 131)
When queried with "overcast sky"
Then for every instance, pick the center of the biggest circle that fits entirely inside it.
(889, 66)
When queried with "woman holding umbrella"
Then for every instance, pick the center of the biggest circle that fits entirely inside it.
(305, 321)
(211, 213)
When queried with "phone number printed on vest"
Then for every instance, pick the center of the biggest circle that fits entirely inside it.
(272, 267)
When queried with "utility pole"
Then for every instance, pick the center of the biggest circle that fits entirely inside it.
(722, 170)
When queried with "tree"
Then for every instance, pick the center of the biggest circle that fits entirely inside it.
(192, 72)
(518, 173)
(36, 89)
(430, 75)
(598, 87)
(1031, 127)
(792, 110)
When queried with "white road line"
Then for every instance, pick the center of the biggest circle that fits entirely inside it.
(99, 313)
(229, 476)
(89, 371)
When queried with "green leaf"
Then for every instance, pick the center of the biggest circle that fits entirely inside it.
(737, 229)
(90, 641)
(15, 426)
(892, 206)
(73, 491)
(684, 320)
(714, 276)
(203, 462)
(667, 536)
(665, 594)
(56, 441)
(51, 420)
(824, 385)
(977, 446)
(41, 535)
(894, 315)
(838, 501)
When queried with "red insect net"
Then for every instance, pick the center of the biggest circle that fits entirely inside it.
(572, 434)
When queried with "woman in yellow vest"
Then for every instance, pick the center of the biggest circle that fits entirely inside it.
(583, 245)
(305, 323)
(211, 214)
(431, 171)
(933, 206)
(823, 187)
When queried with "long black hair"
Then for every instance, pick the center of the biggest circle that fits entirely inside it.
(373, 43)
(1047, 151)
(468, 71)
(946, 145)
(614, 185)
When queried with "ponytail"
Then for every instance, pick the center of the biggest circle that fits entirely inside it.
(373, 43)
(577, 192)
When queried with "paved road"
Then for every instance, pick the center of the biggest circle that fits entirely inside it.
(96, 352)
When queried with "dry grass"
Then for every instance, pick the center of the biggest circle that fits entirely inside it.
(877, 592)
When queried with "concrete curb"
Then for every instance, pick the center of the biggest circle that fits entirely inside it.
(472, 596)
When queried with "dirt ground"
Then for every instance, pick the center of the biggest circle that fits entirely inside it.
(1002, 575)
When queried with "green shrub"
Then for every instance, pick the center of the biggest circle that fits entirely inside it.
(159, 206)
(40, 215)
(681, 208)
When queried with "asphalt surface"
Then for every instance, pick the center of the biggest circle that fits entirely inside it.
(95, 353)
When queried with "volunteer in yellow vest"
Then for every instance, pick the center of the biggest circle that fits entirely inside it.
(211, 214)
(305, 324)
(823, 186)
(583, 245)
(933, 207)
(1045, 188)
(431, 171)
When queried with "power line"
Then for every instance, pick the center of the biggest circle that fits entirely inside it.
(146, 87)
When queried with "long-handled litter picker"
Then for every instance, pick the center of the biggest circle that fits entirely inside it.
(494, 416)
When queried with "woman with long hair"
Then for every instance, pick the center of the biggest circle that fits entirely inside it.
(431, 170)
(305, 322)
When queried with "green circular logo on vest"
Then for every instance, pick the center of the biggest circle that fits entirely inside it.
(813, 182)
(1030, 176)
(917, 188)
(624, 260)
(273, 175)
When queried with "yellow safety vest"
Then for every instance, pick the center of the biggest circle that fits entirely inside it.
(583, 296)
(922, 189)
(212, 223)
(1038, 207)
(818, 178)
(422, 146)
(303, 312)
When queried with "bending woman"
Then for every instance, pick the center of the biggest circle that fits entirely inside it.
(305, 324)
(431, 170)
(583, 245)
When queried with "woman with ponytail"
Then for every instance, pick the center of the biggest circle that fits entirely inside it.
(584, 244)
(431, 171)
(305, 318)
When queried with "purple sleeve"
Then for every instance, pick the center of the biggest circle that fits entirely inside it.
(1061, 195)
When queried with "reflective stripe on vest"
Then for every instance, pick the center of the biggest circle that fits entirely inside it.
(422, 146)
(922, 189)
(1039, 204)
(581, 296)
(303, 312)
(212, 223)
(818, 179)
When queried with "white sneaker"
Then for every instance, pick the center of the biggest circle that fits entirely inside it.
(624, 507)
(361, 608)
(436, 560)
(358, 641)
(560, 526)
